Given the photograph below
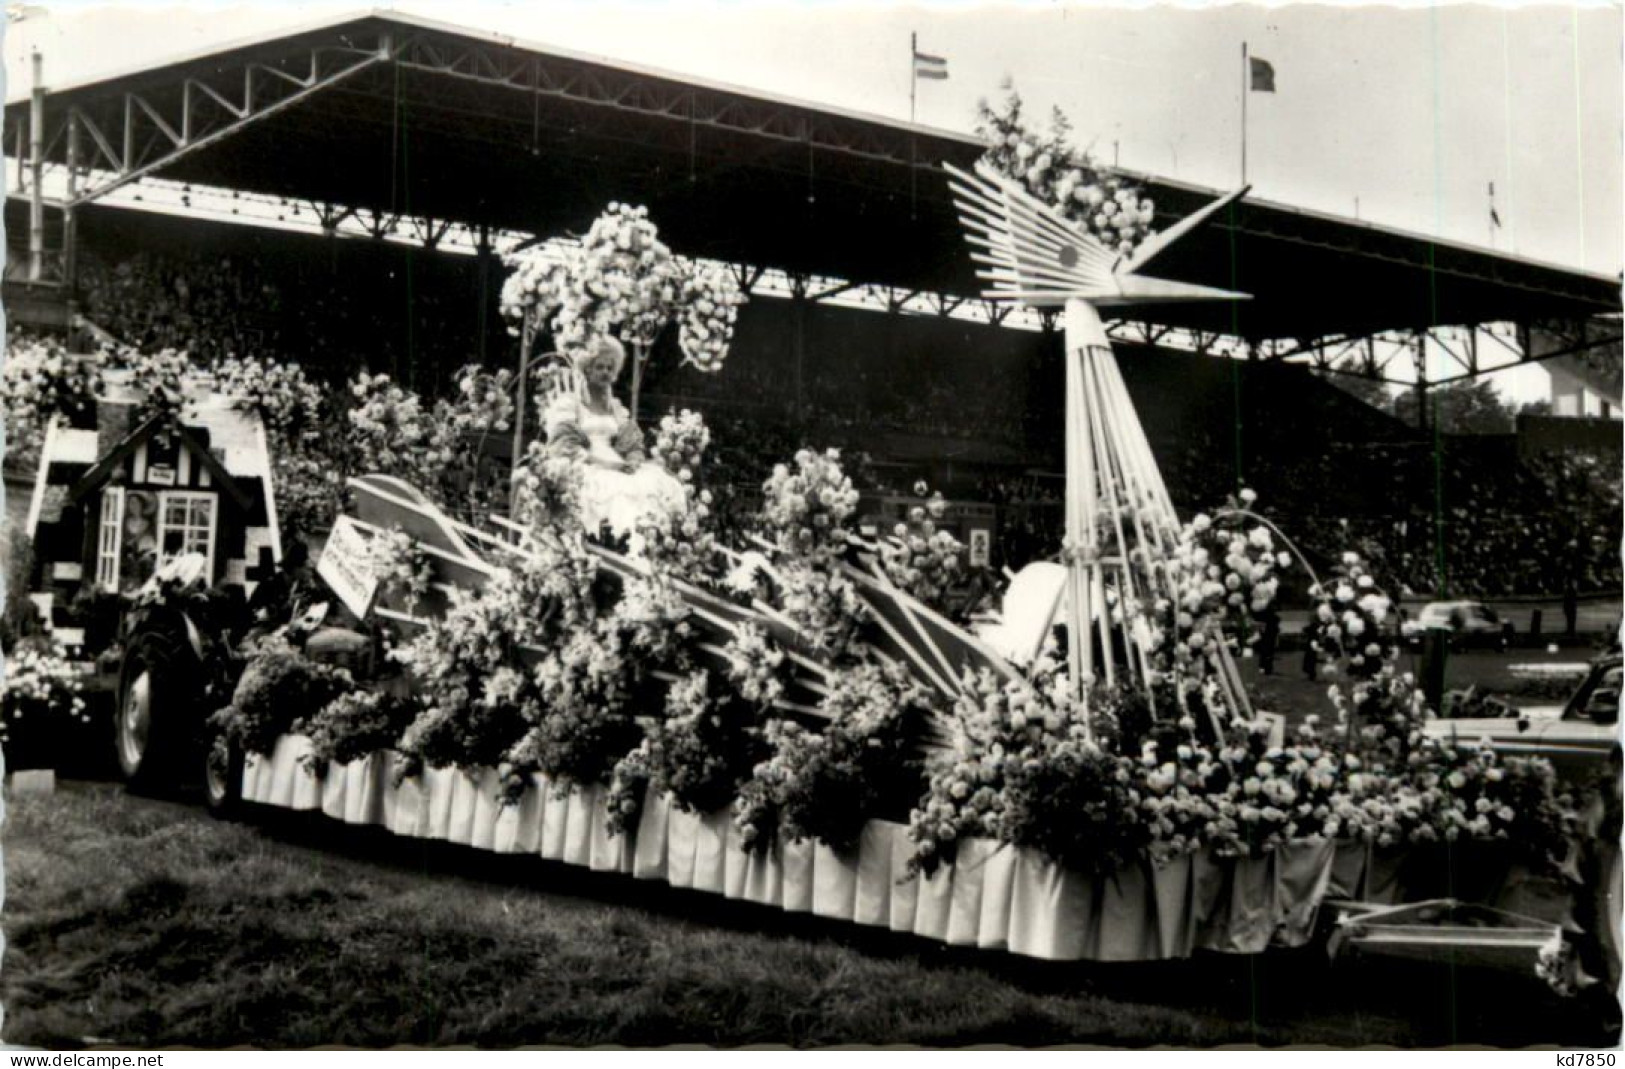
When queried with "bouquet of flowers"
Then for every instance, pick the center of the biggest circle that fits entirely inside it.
(921, 560)
(286, 401)
(1218, 575)
(277, 684)
(582, 723)
(680, 442)
(654, 620)
(706, 745)
(826, 785)
(38, 682)
(309, 488)
(1353, 628)
(355, 725)
(755, 666)
(1000, 726)
(628, 786)
(629, 276)
(805, 510)
(534, 287)
(547, 488)
(160, 378)
(483, 405)
(708, 305)
(401, 566)
(1109, 207)
(389, 430)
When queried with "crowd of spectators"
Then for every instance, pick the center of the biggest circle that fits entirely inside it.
(1473, 518)
(411, 319)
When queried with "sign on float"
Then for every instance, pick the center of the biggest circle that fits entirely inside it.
(346, 567)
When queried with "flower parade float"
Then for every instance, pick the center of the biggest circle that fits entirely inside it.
(797, 721)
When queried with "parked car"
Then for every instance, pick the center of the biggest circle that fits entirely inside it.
(1470, 623)
(1583, 744)
(1577, 740)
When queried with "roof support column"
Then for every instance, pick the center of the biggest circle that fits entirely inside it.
(1419, 353)
(70, 235)
(482, 260)
(36, 163)
(798, 302)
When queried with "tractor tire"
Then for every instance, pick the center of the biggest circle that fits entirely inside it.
(154, 721)
(223, 778)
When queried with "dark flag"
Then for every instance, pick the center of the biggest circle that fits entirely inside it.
(1263, 75)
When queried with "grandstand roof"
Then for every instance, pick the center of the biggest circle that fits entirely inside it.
(390, 113)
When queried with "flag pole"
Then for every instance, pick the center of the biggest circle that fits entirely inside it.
(1244, 90)
(913, 81)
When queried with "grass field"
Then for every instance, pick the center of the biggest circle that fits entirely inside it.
(138, 922)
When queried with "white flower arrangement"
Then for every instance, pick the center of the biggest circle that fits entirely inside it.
(754, 665)
(806, 509)
(917, 557)
(622, 280)
(42, 683)
(284, 398)
(42, 382)
(1109, 207)
(160, 379)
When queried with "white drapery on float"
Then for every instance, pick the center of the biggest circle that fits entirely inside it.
(992, 896)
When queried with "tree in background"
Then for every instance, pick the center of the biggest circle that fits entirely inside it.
(1372, 391)
(1468, 406)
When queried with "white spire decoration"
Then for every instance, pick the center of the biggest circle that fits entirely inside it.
(1116, 502)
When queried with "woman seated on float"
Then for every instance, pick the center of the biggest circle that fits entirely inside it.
(586, 423)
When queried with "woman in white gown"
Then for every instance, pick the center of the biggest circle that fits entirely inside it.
(618, 486)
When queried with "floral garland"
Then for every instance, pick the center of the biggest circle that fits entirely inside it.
(622, 280)
(42, 683)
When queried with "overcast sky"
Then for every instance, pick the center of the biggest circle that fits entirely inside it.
(1412, 111)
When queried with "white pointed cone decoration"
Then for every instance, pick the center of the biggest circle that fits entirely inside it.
(1116, 501)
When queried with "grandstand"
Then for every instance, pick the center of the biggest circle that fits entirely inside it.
(924, 381)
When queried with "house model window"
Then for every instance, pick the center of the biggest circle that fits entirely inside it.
(141, 531)
(186, 524)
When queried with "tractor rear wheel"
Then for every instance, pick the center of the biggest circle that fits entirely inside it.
(153, 719)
